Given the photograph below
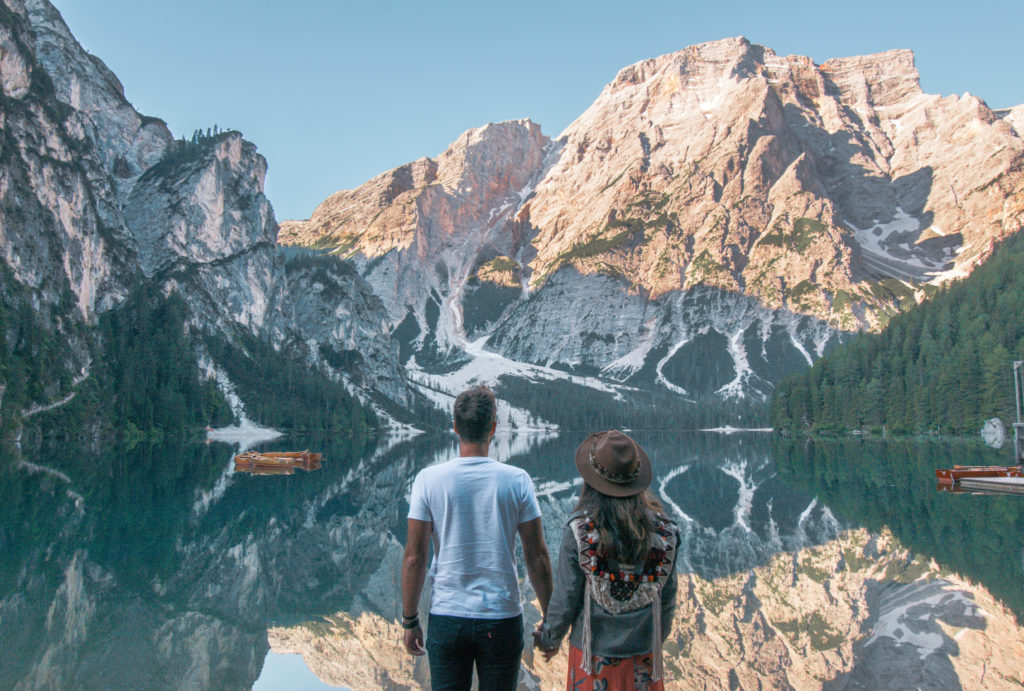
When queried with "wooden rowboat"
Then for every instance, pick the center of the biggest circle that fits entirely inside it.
(253, 470)
(282, 461)
(951, 476)
(992, 479)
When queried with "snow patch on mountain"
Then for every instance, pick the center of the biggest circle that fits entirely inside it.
(891, 249)
(911, 614)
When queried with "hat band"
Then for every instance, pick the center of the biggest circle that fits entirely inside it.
(617, 478)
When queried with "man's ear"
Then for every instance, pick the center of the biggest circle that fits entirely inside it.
(455, 428)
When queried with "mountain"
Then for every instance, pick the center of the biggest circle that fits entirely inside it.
(718, 217)
(99, 201)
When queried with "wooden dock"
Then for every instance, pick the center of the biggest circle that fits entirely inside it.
(993, 485)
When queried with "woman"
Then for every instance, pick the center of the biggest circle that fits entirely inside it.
(615, 584)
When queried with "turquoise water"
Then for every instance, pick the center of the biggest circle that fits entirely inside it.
(159, 567)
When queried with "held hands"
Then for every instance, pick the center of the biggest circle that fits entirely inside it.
(538, 637)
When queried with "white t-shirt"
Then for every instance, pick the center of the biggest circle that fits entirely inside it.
(475, 505)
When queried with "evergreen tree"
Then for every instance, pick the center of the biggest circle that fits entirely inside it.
(942, 366)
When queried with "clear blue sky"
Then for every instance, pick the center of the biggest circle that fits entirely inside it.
(335, 92)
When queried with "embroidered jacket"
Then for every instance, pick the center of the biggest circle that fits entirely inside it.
(613, 609)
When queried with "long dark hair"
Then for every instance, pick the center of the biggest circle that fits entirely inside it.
(624, 524)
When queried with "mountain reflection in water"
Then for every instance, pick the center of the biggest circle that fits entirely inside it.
(160, 567)
(891, 484)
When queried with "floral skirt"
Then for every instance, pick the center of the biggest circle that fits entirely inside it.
(611, 673)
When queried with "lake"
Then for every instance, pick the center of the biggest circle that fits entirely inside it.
(802, 564)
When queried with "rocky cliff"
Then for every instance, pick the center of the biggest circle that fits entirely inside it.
(98, 199)
(779, 200)
(420, 232)
(780, 173)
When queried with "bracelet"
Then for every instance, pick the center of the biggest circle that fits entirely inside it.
(414, 615)
(410, 623)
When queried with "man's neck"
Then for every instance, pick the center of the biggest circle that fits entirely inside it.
(470, 449)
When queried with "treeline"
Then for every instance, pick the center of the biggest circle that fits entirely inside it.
(181, 149)
(34, 358)
(943, 366)
(280, 388)
(578, 407)
(149, 368)
(144, 381)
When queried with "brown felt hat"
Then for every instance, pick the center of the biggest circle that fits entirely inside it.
(613, 464)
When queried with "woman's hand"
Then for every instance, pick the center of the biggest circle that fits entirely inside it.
(538, 637)
(414, 641)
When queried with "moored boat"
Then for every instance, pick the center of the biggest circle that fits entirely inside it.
(948, 476)
(256, 461)
(1002, 479)
(984, 485)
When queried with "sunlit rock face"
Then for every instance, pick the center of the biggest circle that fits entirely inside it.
(420, 233)
(97, 198)
(838, 192)
(1015, 117)
(364, 652)
(760, 173)
(61, 227)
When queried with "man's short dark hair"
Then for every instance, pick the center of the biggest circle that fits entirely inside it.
(475, 411)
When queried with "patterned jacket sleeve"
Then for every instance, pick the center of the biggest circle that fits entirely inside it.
(567, 595)
(668, 595)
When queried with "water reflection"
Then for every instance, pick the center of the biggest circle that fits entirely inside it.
(723, 490)
(161, 567)
(88, 547)
(891, 484)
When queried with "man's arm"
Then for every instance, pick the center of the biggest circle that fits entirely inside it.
(566, 601)
(538, 563)
(414, 572)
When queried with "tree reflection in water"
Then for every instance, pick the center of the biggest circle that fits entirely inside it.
(891, 483)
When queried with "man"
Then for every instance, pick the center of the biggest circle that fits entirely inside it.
(472, 506)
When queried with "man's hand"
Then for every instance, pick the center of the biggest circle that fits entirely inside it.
(414, 641)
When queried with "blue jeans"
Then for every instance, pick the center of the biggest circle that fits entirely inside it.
(454, 644)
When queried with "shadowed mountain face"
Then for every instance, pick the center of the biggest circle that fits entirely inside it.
(98, 200)
(837, 192)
